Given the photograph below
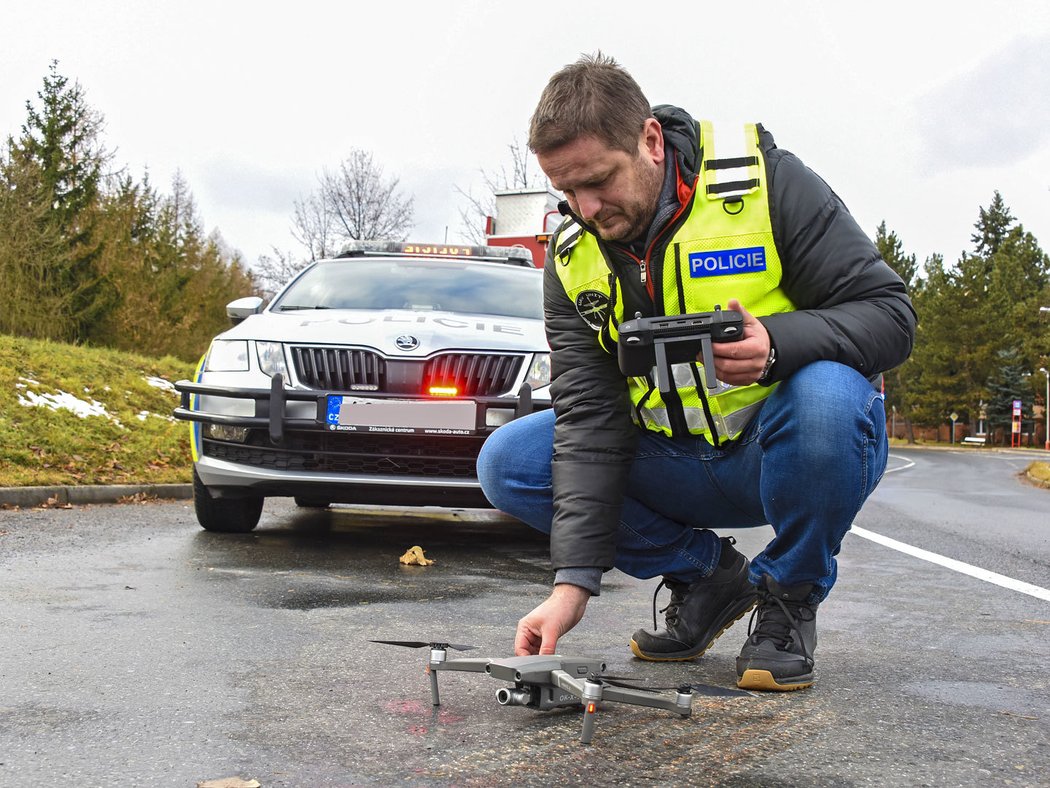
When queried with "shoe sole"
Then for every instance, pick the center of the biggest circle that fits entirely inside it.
(681, 656)
(763, 680)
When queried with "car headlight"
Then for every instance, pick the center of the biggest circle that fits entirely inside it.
(227, 355)
(540, 371)
(271, 358)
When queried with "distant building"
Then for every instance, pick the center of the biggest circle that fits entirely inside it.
(524, 218)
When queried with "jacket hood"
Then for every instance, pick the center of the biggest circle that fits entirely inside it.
(682, 133)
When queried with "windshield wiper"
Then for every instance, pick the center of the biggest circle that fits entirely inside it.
(295, 307)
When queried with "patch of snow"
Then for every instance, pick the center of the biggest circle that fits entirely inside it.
(64, 401)
(160, 383)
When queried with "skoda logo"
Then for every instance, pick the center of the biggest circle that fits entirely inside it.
(406, 342)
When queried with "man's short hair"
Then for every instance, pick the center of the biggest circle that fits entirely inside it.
(593, 96)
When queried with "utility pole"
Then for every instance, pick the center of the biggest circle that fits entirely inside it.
(1046, 401)
(1046, 407)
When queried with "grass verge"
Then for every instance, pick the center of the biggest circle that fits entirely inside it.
(80, 415)
(1039, 473)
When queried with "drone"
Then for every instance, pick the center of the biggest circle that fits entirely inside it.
(546, 682)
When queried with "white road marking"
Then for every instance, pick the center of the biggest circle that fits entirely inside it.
(958, 566)
(907, 464)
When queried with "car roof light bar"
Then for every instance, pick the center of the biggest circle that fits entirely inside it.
(500, 254)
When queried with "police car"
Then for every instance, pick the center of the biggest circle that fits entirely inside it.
(373, 377)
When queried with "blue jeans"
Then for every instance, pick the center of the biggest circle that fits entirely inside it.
(805, 465)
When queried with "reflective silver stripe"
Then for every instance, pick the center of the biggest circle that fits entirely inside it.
(655, 417)
(737, 421)
(566, 239)
(696, 420)
(731, 147)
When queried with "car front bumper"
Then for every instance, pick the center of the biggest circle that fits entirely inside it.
(291, 448)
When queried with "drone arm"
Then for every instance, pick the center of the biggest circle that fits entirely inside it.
(468, 664)
(682, 703)
(562, 680)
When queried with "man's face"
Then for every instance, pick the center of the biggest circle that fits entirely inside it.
(614, 192)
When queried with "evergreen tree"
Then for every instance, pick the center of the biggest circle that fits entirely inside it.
(175, 281)
(1007, 383)
(897, 381)
(971, 312)
(992, 227)
(892, 250)
(60, 149)
(933, 385)
(31, 248)
(90, 256)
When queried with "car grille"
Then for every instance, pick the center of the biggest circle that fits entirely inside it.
(348, 369)
(339, 369)
(339, 452)
(473, 375)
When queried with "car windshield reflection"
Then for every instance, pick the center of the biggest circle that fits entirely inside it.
(480, 288)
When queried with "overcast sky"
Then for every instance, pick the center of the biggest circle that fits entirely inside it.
(914, 112)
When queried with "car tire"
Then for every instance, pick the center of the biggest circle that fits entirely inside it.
(225, 515)
(306, 502)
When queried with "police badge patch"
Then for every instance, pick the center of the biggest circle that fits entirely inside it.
(593, 307)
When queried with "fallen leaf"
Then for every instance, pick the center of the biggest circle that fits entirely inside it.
(229, 782)
(414, 557)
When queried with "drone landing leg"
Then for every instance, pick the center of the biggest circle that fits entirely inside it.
(590, 709)
(434, 697)
(438, 655)
(592, 693)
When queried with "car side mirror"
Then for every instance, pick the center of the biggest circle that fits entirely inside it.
(238, 310)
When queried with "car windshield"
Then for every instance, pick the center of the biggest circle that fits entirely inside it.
(476, 288)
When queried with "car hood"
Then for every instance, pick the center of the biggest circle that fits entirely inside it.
(381, 329)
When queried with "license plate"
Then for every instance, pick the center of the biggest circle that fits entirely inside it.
(360, 414)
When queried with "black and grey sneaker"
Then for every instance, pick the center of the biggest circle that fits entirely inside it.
(782, 637)
(699, 612)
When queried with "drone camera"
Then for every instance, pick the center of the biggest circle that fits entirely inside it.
(513, 696)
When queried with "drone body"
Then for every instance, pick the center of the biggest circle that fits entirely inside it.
(551, 681)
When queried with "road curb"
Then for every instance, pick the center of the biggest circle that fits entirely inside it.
(60, 495)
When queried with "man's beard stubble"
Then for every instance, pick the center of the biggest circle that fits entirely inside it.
(640, 212)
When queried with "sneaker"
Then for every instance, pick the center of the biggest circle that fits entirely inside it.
(782, 637)
(698, 612)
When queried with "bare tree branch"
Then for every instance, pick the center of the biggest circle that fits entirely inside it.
(524, 174)
(272, 273)
(353, 202)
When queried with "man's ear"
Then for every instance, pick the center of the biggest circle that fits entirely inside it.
(651, 143)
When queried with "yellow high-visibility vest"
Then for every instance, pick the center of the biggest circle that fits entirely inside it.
(722, 248)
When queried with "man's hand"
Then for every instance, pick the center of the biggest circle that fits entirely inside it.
(538, 632)
(741, 362)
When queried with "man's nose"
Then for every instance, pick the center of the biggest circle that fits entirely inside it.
(589, 205)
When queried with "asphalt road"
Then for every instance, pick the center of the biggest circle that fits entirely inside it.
(139, 650)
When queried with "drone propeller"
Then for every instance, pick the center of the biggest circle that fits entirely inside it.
(424, 644)
(712, 691)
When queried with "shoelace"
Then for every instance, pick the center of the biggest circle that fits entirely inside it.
(677, 597)
(776, 621)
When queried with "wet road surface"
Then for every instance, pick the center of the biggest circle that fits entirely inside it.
(138, 649)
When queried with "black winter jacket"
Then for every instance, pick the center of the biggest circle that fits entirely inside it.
(851, 308)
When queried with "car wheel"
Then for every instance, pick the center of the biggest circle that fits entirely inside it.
(311, 503)
(225, 515)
